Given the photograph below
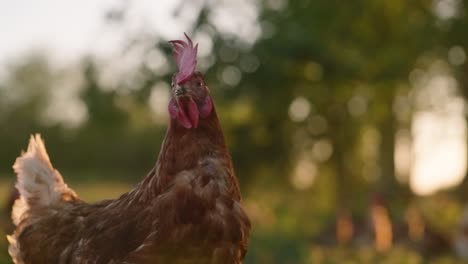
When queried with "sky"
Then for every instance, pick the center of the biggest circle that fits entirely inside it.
(68, 29)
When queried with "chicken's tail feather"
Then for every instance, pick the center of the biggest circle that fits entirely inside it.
(39, 184)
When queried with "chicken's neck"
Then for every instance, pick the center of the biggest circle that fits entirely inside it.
(184, 148)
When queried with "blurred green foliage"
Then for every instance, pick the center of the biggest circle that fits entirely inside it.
(350, 62)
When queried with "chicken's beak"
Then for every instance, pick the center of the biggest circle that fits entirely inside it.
(180, 91)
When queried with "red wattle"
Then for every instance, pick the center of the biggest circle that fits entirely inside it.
(193, 113)
(185, 110)
(183, 119)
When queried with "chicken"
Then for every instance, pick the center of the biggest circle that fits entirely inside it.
(186, 210)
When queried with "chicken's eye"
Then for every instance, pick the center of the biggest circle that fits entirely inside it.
(198, 84)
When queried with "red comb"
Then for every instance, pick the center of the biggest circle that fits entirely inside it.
(185, 55)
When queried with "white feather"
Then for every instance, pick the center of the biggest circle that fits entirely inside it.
(38, 183)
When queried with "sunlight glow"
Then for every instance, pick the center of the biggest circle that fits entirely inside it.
(305, 174)
(322, 150)
(440, 152)
(439, 136)
(299, 109)
(231, 75)
(237, 18)
(357, 105)
(446, 9)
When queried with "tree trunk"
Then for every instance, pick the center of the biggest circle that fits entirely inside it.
(387, 184)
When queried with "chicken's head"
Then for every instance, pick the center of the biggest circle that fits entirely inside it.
(190, 96)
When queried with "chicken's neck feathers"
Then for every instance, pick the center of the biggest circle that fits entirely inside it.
(182, 149)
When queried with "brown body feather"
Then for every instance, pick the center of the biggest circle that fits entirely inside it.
(186, 210)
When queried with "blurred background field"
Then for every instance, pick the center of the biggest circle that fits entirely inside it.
(346, 120)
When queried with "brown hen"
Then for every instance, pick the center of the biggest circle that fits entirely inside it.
(186, 210)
